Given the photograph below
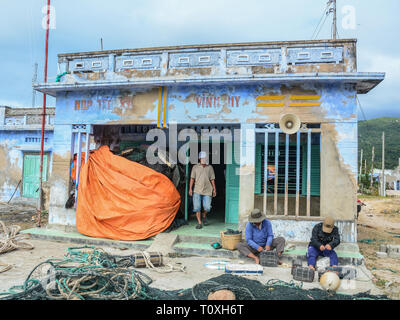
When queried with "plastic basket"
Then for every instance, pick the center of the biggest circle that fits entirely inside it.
(304, 274)
(229, 241)
(269, 258)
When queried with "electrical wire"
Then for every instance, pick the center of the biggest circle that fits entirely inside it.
(326, 16)
(362, 111)
(323, 14)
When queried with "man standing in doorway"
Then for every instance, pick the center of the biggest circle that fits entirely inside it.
(203, 179)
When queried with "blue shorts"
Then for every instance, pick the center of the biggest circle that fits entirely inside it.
(198, 199)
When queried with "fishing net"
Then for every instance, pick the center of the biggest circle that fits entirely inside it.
(87, 273)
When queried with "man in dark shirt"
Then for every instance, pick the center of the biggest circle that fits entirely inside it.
(325, 238)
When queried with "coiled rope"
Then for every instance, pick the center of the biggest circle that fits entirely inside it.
(10, 240)
(165, 269)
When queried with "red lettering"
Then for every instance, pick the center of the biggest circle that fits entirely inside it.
(209, 102)
(237, 98)
(77, 104)
(198, 100)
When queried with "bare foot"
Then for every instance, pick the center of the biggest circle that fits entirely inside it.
(257, 260)
(311, 267)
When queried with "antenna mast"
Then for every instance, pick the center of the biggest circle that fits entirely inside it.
(334, 23)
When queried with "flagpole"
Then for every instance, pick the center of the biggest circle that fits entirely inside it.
(43, 118)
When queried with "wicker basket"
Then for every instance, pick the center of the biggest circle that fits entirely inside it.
(229, 241)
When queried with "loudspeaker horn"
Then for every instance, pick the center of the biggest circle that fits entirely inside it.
(289, 123)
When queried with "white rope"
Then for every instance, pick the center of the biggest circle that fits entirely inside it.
(5, 267)
(166, 269)
(10, 240)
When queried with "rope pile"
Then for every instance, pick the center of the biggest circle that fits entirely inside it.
(168, 268)
(10, 240)
(85, 273)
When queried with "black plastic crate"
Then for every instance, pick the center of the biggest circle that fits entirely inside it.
(304, 274)
(269, 258)
(295, 264)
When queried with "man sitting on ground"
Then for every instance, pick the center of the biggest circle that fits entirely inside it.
(325, 238)
(259, 237)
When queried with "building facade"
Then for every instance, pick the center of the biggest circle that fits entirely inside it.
(128, 97)
(20, 139)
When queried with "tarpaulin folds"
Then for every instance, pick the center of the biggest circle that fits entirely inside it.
(123, 200)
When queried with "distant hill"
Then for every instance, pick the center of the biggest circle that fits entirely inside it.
(370, 134)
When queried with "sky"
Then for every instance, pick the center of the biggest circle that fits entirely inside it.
(80, 24)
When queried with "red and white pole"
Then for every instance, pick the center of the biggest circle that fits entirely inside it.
(43, 116)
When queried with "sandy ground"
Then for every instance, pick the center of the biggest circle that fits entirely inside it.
(23, 261)
(23, 215)
(379, 223)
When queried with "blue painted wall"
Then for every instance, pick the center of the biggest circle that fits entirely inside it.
(13, 145)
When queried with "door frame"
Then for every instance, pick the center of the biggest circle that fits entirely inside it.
(33, 153)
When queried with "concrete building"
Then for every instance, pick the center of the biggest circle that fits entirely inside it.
(116, 97)
(20, 139)
(392, 178)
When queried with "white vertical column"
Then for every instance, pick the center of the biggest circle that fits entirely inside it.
(308, 172)
(286, 174)
(78, 163)
(265, 171)
(87, 146)
(246, 172)
(276, 172)
(297, 173)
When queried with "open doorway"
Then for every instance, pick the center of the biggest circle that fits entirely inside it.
(215, 156)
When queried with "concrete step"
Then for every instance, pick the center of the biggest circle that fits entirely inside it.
(299, 252)
(78, 238)
(348, 253)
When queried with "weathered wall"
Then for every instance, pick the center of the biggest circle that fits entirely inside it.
(211, 60)
(13, 145)
(298, 230)
(339, 167)
(248, 105)
(247, 172)
(209, 104)
(60, 178)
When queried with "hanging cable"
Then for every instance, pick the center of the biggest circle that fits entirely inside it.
(361, 109)
(322, 17)
(316, 36)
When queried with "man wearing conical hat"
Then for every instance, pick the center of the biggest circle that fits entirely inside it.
(325, 238)
(259, 237)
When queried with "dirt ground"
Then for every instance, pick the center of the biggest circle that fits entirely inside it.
(376, 221)
(23, 215)
(379, 223)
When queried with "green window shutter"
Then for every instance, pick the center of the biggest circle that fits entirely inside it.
(258, 171)
(315, 170)
(232, 189)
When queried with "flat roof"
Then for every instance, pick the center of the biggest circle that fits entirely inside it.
(216, 45)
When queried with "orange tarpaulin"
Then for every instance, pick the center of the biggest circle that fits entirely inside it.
(123, 200)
